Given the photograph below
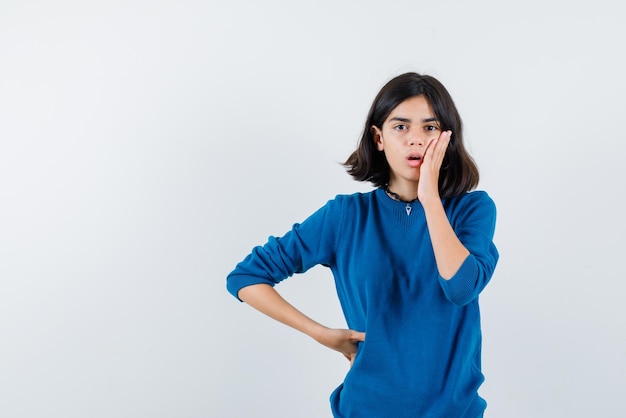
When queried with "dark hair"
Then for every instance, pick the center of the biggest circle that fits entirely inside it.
(459, 173)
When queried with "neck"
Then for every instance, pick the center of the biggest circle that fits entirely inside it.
(404, 192)
(401, 198)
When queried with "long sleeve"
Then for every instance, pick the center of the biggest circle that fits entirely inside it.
(307, 244)
(474, 223)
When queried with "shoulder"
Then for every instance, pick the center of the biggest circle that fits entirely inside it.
(354, 199)
(474, 204)
(335, 208)
(476, 197)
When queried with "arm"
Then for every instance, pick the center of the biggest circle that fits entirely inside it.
(307, 244)
(450, 253)
(464, 253)
(266, 299)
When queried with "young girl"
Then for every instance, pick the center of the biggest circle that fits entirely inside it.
(409, 261)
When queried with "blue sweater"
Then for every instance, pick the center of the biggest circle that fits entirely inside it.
(422, 351)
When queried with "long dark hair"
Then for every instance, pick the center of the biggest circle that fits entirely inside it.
(459, 173)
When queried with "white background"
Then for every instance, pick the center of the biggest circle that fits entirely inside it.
(147, 146)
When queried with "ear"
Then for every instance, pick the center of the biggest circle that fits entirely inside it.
(378, 137)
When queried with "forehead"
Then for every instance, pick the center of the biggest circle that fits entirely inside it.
(416, 107)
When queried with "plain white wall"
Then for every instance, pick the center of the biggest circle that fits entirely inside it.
(147, 146)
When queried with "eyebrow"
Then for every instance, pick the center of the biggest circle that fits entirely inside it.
(399, 119)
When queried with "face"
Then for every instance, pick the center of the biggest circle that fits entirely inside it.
(404, 137)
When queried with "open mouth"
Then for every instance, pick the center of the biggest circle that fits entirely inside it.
(414, 160)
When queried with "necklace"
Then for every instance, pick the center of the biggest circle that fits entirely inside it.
(396, 196)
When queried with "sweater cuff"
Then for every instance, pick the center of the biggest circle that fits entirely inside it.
(235, 283)
(460, 289)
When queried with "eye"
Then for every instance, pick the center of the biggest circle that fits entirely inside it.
(432, 127)
(400, 127)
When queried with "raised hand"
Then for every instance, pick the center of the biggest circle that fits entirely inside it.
(428, 185)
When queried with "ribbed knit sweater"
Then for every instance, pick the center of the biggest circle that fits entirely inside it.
(422, 352)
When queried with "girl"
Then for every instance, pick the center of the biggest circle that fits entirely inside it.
(409, 261)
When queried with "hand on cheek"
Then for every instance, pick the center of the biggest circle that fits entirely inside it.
(428, 186)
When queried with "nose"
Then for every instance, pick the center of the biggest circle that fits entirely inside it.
(416, 139)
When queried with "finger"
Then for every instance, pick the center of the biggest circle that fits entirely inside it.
(431, 145)
(440, 146)
(430, 148)
(358, 336)
(445, 135)
(446, 140)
